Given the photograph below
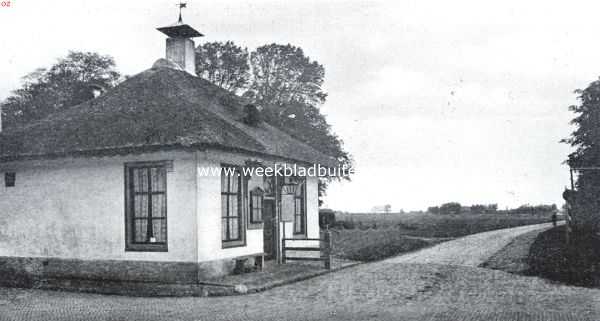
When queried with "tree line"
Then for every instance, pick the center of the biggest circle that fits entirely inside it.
(457, 208)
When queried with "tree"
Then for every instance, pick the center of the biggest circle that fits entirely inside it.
(309, 125)
(74, 79)
(450, 208)
(282, 74)
(286, 85)
(224, 64)
(586, 141)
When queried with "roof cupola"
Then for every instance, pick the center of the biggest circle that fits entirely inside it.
(180, 46)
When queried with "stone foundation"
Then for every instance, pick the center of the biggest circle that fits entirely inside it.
(115, 277)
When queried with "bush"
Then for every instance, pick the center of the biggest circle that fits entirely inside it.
(348, 225)
(326, 218)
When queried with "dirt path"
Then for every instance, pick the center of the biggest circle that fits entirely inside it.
(395, 289)
(470, 250)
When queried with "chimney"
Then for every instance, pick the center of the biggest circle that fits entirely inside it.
(180, 46)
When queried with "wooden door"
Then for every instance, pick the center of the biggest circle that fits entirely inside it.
(269, 232)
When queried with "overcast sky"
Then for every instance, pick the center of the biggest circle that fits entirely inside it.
(437, 100)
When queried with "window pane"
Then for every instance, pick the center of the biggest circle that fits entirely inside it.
(135, 181)
(158, 205)
(234, 228)
(224, 229)
(159, 228)
(256, 215)
(234, 183)
(158, 179)
(141, 228)
(224, 206)
(224, 180)
(233, 207)
(140, 205)
(298, 224)
(140, 179)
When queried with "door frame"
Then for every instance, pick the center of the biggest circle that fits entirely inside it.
(274, 230)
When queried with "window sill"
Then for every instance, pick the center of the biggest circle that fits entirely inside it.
(146, 248)
(230, 244)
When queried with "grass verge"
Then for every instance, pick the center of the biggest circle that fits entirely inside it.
(514, 257)
(375, 244)
(576, 264)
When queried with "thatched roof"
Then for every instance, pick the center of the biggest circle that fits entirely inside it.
(160, 108)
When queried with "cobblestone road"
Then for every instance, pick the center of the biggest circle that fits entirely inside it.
(387, 290)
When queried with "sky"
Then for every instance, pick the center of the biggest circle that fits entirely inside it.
(437, 101)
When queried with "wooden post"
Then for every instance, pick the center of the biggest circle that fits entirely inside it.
(278, 249)
(260, 262)
(327, 249)
(283, 250)
(568, 218)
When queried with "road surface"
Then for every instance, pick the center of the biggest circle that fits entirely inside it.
(471, 250)
(439, 283)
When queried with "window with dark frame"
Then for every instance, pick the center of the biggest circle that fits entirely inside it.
(10, 179)
(232, 223)
(300, 210)
(256, 205)
(146, 214)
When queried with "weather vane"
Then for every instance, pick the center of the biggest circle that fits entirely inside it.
(181, 5)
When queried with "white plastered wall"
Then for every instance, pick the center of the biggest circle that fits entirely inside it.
(74, 208)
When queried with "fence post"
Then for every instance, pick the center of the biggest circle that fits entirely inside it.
(327, 248)
(283, 250)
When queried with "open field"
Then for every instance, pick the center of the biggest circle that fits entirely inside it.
(375, 244)
(437, 225)
(370, 237)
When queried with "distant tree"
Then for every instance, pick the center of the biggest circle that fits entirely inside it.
(387, 208)
(491, 208)
(478, 208)
(450, 208)
(541, 209)
(433, 209)
(74, 79)
(224, 64)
